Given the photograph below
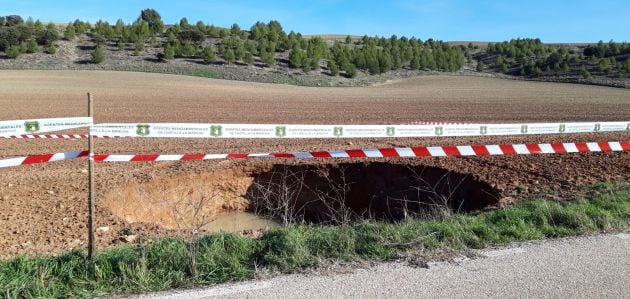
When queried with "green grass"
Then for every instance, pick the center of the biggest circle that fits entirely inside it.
(175, 263)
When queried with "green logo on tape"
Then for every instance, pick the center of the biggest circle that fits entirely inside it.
(142, 130)
(338, 131)
(390, 131)
(524, 129)
(216, 131)
(483, 130)
(281, 131)
(562, 128)
(31, 126)
(439, 131)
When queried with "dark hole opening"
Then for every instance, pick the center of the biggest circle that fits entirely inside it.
(342, 193)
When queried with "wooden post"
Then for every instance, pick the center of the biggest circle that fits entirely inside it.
(90, 225)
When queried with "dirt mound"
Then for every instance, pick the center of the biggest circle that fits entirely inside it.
(185, 201)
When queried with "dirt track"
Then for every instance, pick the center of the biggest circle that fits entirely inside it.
(42, 207)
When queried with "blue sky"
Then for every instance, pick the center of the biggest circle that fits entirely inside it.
(480, 20)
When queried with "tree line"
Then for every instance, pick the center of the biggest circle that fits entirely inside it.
(530, 57)
(260, 44)
(268, 43)
(18, 36)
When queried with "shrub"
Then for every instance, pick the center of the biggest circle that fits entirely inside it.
(207, 54)
(332, 66)
(52, 49)
(70, 32)
(268, 58)
(169, 53)
(31, 46)
(481, 66)
(249, 58)
(351, 70)
(98, 55)
(14, 52)
(229, 56)
(139, 47)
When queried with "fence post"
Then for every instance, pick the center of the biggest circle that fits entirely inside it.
(90, 225)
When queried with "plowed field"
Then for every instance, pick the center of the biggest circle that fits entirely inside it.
(43, 207)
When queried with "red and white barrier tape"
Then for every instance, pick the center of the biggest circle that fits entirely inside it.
(33, 159)
(435, 151)
(47, 136)
(421, 151)
(56, 136)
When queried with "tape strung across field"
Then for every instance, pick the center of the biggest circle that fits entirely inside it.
(45, 158)
(422, 151)
(19, 127)
(47, 136)
(173, 130)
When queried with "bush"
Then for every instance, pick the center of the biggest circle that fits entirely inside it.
(31, 46)
(98, 55)
(268, 58)
(229, 56)
(169, 53)
(249, 58)
(14, 52)
(52, 49)
(481, 66)
(332, 66)
(207, 54)
(70, 32)
(138, 47)
(351, 70)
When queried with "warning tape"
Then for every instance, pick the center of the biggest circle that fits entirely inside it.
(47, 136)
(54, 136)
(398, 152)
(184, 130)
(18, 127)
(45, 158)
(434, 151)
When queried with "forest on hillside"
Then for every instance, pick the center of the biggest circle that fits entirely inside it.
(264, 44)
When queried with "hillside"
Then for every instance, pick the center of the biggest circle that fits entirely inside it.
(266, 53)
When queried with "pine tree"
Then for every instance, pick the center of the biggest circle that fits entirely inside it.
(296, 57)
(70, 32)
(14, 52)
(332, 66)
(229, 56)
(249, 58)
(481, 66)
(208, 55)
(268, 58)
(31, 46)
(52, 49)
(351, 70)
(98, 55)
(169, 53)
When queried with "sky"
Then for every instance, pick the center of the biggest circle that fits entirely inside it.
(449, 20)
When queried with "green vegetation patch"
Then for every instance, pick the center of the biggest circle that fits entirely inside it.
(176, 263)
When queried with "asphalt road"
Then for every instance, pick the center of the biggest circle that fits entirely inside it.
(585, 267)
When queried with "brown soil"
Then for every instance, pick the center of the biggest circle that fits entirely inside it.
(43, 207)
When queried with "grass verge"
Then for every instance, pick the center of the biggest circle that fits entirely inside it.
(175, 263)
